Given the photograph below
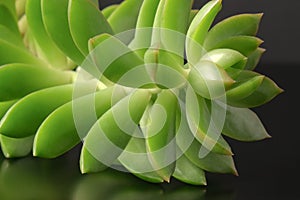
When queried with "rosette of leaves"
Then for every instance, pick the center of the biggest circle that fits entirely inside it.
(193, 84)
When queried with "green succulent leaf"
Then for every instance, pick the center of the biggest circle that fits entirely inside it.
(108, 11)
(143, 32)
(160, 143)
(135, 160)
(8, 19)
(167, 30)
(240, 90)
(88, 163)
(208, 163)
(124, 18)
(62, 122)
(56, 18)
(205, 131)
(244, 44)
(7, 35)
(33, 109)
(107, 133)
(28, 78)
(193, 14)
(209, 80)
(16, 147)
(230, 60)
(244, 125)
(202, 21)
(114, 60)
(86, 21)
(263, 94)
(48, 49)
(188, 172)
(10, 53)
(4, 106)
(253, 59)
(238, 25)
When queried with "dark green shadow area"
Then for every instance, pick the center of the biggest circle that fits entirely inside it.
(59, 179)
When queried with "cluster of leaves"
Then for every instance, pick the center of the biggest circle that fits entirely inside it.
(43, 43)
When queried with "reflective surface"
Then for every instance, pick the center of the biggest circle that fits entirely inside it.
(31, 178)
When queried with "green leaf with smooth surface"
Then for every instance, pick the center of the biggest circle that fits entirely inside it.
(244, 125)
(238, 25)
(143, 32)
(225, 163)
(16, 147)
(160, 142)
(240, 90)
(125, 16)
(86, 21)
(209, 80)
(109, 10)
(48, 49)
(267, 90)
(106, 140)
(62, 122)
(33, 109)
(10, 53)
(242, 43)
(188, 172)
(167, 30)
(28, 78)
(253, 59)
(4, 106)
(114, 60)
(88, 163)
(10, 5)
(8, 19)
(206, 132)
(226, 58)
(7, 35)
(202, 21)
(135, 160)
(56, 18)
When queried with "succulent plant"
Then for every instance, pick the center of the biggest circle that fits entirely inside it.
(149, 86)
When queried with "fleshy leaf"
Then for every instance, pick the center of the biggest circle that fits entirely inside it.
(225, 163)
(109, 10)
(56, 18)
(28, 78)
(33, 109)
(243, 24)
(117, 62)
(263, 94)
(9, 53)
(253, 59)
(160, 134)
(135, 160)
(125, 16)
(240, 90)
(8, 19)
(112, 132)
(203, 127)
(48, 49)
(242, 43)
(86, 21)
(187, 172)
(62, 122)
(244, 125)
(16, 147)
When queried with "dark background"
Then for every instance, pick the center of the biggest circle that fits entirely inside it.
(268, 169)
